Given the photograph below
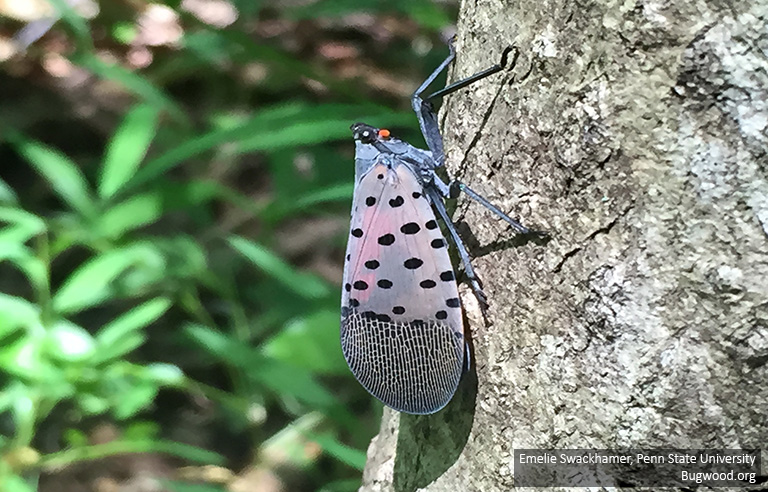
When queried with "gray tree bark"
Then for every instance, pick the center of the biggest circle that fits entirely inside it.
(635, 131)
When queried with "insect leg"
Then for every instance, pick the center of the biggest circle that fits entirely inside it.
(424, 110)
(479, 75)
(426, 113)
(457, 186)
(474, 281)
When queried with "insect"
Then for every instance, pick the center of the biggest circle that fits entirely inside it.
(402, 331)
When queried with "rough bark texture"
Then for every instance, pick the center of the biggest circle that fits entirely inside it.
(636, 132)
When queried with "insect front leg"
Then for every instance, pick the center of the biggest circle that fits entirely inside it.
(424, 109)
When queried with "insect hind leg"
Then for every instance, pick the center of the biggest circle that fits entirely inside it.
(469, 271)
(456, 187)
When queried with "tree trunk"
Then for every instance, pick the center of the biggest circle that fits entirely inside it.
(636, 133)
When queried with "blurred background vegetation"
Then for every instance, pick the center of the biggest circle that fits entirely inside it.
(175, 180)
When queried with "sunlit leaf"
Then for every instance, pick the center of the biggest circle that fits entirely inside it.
(67, 341)
(130, 214)
(90, 283)
(62, 174)
(165, 374)
(127, 148)
(16, 312)
(15, 483)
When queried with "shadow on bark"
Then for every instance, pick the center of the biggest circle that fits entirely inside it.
(427, 445)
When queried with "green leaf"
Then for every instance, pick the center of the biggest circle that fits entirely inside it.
(175, 486)
(220, 345)
(351, 456)
(33, 268)
(132, 213)
(289, 381)
(15, 483)
(311, 343)
(127, 149)
(202, 143)
(62, 174)
(25, 225)
(16, 312)
(24, 358)
(286, 125)
(122, 335)
(305, 285)
(69, 342)
(62, 459)
(136, 396)
(165, 374)
(7, 195)
(132, 82)
(343, 485)
(90, 283)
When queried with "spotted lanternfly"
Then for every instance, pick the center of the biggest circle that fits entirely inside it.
(402, 329)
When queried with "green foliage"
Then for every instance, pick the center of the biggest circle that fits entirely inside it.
(153, 264)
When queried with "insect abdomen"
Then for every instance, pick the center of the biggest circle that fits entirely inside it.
(412, 366)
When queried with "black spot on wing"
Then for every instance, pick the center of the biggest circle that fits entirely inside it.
(427, 284)
(384, 283)
(372, 264)
(396, 202)
(413, 263)
(447, 276)
(386, 239)
(410, 228)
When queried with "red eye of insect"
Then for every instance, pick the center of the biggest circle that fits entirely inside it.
(384, 133)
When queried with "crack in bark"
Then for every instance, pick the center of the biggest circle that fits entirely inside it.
(565, 257)
(606, 229)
